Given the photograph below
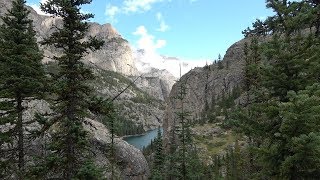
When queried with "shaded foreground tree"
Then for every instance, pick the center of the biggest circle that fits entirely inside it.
(182, 161)
(21, 77)
(70, 157)
(158, 158)
(281, 120)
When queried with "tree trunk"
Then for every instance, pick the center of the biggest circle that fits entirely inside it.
(21, 162)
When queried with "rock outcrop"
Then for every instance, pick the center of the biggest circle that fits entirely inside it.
(132, 164)
(204, 84)
(115, 55)
(157, 83)
(133, 104)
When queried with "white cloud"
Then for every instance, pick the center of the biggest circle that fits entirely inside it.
(163, 26)
(134, 6)
(150, 58)
(111, 12)
(36, 7)
(147, 41)
(131, 6)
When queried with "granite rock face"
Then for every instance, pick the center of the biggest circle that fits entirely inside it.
(133, 104)
(157, 83)
(132, 163)
(204, 84)
(115, 55)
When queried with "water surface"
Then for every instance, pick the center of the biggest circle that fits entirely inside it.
(144, 140)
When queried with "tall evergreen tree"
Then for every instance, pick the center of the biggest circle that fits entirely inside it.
(183, 161)
(21, 77)
(281, 126)
(69, 155)
(182, 129)
(159, 158)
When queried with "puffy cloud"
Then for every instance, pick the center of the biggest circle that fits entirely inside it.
(131, 6)
(111, 12)
(163, 25)
(147, 56)
(147, 41)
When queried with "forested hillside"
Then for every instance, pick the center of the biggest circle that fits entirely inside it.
(255, 114)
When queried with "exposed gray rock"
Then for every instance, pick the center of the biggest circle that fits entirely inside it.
(157, 83)
(204, 84)
(132, 163)
(115, 55)
(134, 104)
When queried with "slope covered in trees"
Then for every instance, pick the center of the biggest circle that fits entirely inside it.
(63, 142)
(266, 90)
(281, 116)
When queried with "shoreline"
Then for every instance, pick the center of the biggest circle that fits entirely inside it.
(137, 135)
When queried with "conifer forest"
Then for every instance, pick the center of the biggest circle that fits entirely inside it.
(252, 114)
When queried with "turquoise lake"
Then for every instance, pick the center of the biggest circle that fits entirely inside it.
(143, 140)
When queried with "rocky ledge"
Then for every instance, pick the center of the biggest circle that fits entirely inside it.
(131, 164)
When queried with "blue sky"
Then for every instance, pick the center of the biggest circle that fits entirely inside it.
(189, 29)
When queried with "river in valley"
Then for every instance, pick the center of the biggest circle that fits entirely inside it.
(143, 140)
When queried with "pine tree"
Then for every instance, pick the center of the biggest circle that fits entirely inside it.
(279, 122)
(69, 141)
(299, 131)
(106, 109)
(159, 158)
(183, 161)
(22, 77)
(182, 128)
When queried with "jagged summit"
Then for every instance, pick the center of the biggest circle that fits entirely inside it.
(116, 54)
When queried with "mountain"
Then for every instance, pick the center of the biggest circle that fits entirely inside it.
(140, 106)
(146, 61)
(133, 164)
(205, 86)
(115, 56)
(157, 83)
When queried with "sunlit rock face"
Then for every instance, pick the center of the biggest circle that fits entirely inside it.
(203, 84)
(115, 55)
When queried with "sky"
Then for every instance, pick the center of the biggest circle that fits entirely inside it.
(194, 30)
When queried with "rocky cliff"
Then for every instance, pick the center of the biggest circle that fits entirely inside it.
(133, 104)
(116, 54)
(112, 65)
(204, 85)
(157, 83)
(132, 164)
